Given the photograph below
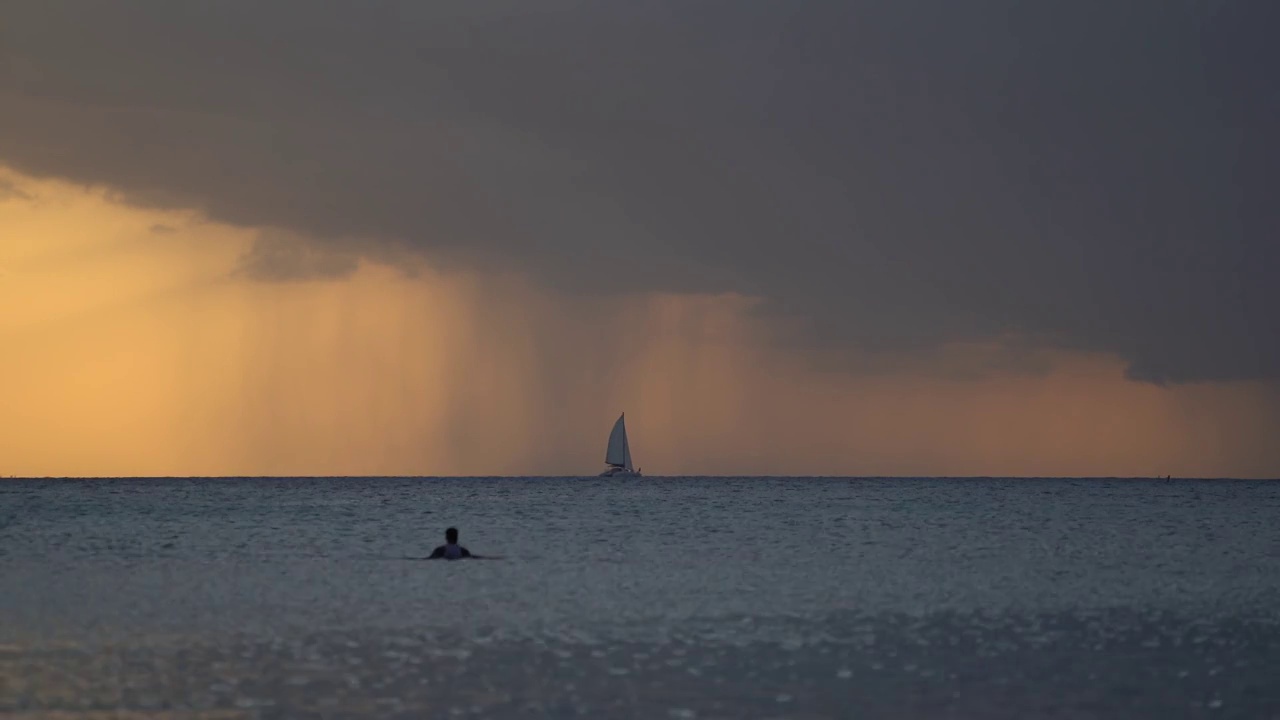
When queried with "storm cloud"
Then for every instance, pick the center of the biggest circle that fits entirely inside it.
(882, 175)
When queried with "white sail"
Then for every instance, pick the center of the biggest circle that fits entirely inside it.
(619, 452)
(626, 452)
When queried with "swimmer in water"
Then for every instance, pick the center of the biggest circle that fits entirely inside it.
(451, 550)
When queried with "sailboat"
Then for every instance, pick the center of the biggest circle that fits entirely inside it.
(618, 455)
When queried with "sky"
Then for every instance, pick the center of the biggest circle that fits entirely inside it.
(867, 238)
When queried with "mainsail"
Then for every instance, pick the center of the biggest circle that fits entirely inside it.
(619, 452)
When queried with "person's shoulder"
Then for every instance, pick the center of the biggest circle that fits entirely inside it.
(438, 552)
(465, 552)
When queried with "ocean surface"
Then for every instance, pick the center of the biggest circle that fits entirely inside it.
(652, 598)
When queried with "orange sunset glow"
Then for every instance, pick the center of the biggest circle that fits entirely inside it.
(131, 343)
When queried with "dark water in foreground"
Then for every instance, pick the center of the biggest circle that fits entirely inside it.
(660, 598)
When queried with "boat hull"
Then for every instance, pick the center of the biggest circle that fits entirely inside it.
(619, 473)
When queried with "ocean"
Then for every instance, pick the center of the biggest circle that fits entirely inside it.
(651, 598)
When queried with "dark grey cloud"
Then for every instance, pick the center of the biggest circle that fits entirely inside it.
(887, 175)
(278, 256)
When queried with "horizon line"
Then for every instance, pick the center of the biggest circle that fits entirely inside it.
(1166, 477)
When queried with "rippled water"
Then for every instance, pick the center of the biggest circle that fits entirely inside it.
(682, 597)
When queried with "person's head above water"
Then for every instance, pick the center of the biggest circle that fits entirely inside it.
(451, 550)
